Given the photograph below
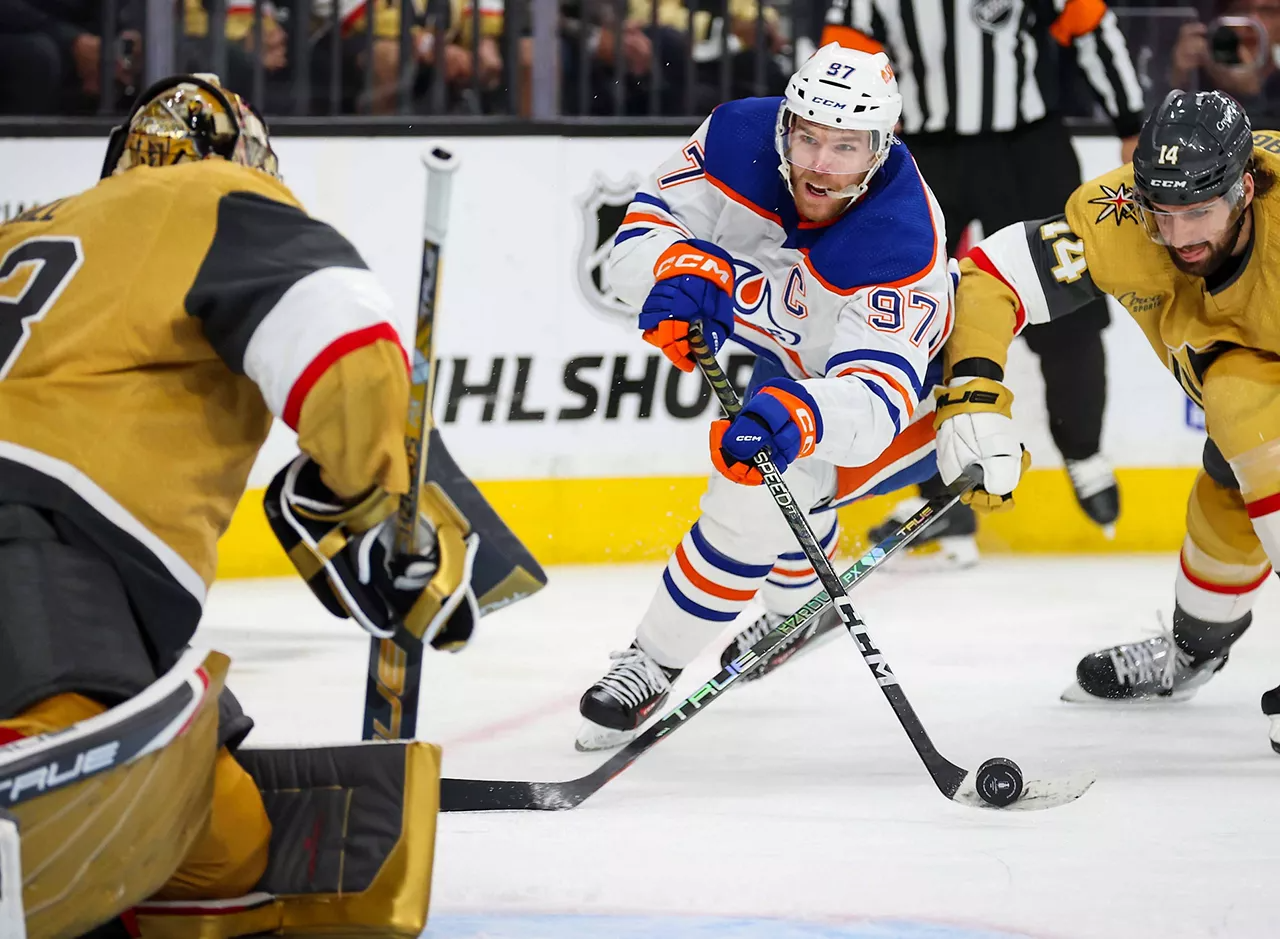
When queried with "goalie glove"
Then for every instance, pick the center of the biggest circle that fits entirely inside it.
(344, 551)
(975, 426)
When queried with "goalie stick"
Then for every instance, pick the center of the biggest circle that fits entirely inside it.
(395, 664)
(954, 782)
(485, 795)
(12, 917)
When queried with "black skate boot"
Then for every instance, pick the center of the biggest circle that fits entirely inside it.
(1168, 667)
(628, 695)
(1271, 708)
(947, 544)
(1096, 491)
(823, 623)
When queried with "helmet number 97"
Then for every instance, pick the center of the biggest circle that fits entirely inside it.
(835, 68)
(1068, 251)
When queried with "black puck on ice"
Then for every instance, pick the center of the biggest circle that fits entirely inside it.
(998, 781)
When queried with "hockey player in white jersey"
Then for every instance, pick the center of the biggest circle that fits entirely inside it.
(800, 228)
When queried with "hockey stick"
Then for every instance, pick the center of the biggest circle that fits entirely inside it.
(395, 664)
(998, 781)
(484, 795)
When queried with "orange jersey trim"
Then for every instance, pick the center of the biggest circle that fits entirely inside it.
(849, 479)
(895, 385)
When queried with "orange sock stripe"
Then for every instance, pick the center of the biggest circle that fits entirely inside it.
(708, 586)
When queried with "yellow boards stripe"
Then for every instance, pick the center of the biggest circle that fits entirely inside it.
(588, 521)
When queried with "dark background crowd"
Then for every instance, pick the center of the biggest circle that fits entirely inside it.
(631, 58)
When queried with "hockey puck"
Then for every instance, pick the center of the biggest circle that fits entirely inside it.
(998, 781)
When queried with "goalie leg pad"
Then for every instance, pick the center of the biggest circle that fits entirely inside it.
(351, 849)
(108, 808)
(65, 622)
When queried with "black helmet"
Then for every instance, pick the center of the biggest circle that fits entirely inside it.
(1193, 148)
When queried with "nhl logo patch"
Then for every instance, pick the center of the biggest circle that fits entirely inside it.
(602, 210)
(1116, 203)
(991, 16)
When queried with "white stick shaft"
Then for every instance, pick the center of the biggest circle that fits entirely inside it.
(12, 919)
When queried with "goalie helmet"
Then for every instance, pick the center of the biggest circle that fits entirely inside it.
(846, 90)
(190, 118)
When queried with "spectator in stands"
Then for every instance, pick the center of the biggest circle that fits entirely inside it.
(1241, 61)
(51, 54)
(443, 21)
(592, 26)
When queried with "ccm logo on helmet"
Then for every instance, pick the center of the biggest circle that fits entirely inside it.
(827, 102)
(1169, 183)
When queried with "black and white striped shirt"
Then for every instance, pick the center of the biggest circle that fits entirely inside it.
(975, 66)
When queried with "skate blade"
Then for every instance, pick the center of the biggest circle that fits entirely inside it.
(1109, 531)
(592, 737)
(956, 553)
(1275, 732)
(1074, 694)
(1037, 794)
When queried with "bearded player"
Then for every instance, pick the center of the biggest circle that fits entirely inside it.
(802, 229)
(151, 327)
(1185, 240)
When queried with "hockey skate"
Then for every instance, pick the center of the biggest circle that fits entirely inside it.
(617, 705)
(822, 623)
(948, 544)
(1271, 708)
(1096, 491)
(1152, 670)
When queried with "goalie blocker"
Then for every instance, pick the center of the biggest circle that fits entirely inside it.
(106, 810)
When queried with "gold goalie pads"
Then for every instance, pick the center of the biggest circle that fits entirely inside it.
(352, 844)
(107, 809)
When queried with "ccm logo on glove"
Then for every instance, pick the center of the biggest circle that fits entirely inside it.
(782, 417)
(676, 261)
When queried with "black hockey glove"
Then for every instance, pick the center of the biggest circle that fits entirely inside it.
(343, 550)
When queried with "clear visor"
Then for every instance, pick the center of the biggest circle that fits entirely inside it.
(1183, 226)
(832, 151)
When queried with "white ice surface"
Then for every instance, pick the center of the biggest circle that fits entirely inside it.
(798, 796)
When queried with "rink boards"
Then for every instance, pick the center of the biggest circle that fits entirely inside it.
(592, 447)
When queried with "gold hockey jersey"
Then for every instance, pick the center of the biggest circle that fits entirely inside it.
(1222, 345)
(149, 329)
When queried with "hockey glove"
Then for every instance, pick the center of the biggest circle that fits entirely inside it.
(975, 425)
(694, 281)
(343, 550)
(782, 416)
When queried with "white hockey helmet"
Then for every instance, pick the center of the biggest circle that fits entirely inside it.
(844, 89)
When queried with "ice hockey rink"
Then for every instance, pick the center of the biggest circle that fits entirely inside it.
(794, 807)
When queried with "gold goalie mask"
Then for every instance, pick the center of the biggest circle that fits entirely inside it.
(189, 118)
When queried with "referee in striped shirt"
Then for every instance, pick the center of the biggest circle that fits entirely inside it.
(980, 112)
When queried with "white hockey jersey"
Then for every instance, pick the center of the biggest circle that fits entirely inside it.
(855, 309)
